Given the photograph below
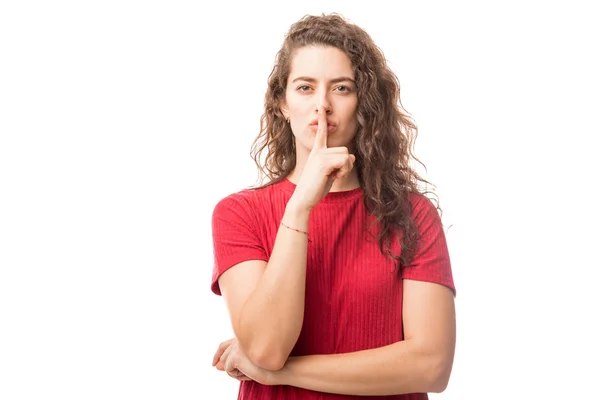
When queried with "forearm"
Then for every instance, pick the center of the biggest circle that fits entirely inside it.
(399, 368)
(271, 319)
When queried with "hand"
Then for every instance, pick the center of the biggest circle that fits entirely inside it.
(220, 360)
(230, 358)
(323, 166)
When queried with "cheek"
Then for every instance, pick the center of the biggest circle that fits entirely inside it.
(297, 126)
(351, 117)
(301, 110)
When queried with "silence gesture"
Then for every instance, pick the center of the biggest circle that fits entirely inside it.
(323, 166)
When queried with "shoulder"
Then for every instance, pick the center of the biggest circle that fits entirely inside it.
(243, 202)
(423, 207)
(236, 205)
(242, 198)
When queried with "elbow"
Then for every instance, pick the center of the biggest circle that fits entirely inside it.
(269, 359)
(439, 375)
(270, 353)
(438, 386)
(265, 354)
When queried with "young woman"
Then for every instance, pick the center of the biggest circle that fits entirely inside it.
(336, 273)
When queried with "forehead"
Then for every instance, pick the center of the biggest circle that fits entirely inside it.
(320, 62)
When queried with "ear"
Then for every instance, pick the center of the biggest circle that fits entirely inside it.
(283, 107)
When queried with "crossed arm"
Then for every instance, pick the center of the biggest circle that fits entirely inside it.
(419, 364)
(266, 307)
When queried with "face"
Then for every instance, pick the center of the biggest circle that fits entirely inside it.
(321, 76)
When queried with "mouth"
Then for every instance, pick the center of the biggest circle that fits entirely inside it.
(330, 127)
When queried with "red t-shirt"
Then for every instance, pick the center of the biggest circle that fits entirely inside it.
(353, 293)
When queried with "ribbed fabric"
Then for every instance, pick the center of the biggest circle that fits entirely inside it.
(353, 293)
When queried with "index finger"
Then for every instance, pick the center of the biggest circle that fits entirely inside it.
(321, 136)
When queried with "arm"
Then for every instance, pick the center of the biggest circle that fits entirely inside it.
(266, 300)
(421, 363)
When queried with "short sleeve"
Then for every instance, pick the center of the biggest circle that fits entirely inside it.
(235, 237)
(431, 262)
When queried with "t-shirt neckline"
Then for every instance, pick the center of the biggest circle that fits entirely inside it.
(344, 195)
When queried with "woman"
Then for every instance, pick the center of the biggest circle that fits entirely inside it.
(336, 273)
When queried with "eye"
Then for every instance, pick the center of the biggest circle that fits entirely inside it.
(343, 88)
(303, 88)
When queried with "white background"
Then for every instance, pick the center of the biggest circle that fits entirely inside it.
(123, 122)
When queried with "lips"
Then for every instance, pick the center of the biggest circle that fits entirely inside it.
(330, 127)
(315, 124)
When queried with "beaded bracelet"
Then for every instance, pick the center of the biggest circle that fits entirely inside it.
(294, 229)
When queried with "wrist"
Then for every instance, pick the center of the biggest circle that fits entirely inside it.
(296, 213)
(279, 377)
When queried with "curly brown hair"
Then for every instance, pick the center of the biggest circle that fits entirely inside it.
(383, 142)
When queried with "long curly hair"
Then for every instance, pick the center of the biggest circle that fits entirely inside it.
(384, 139)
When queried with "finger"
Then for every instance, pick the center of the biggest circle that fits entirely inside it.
(336, 150)
(220, 364)
(228, 366)
(242, 377)
(345, 169)
(321, 136)
(220, 351)
(334, 163)
(230, 359)
(225, 358)
(237, 374)
(233, 373)
(222, 347)
(350, 163)
(218, 354)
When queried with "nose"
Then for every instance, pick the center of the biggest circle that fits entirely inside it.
(323, 100)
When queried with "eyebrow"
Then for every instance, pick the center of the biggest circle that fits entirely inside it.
(335, 80)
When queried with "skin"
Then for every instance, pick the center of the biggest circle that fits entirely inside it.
(266, 305)
(420, 363)
(322, 76)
